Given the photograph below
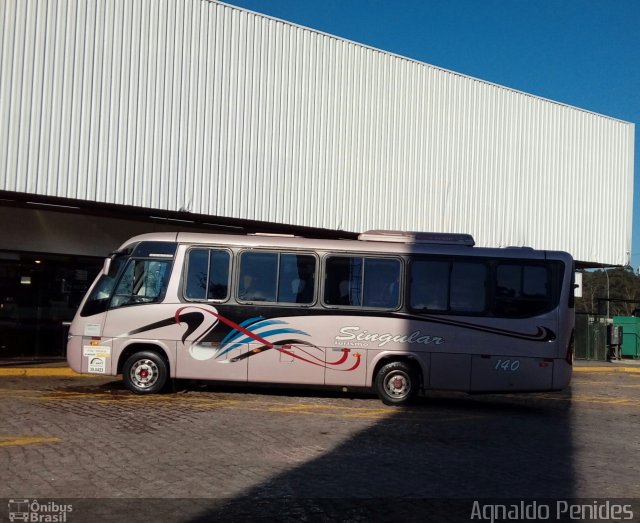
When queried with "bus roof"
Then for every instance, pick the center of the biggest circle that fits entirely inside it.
(380, 242)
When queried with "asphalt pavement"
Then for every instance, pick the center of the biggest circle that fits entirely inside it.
(209, 452)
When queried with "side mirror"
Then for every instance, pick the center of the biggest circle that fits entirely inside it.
(108, 267)
(577, 286)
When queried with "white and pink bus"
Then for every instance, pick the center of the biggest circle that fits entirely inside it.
(396, 312)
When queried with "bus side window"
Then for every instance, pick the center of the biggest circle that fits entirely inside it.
(343, 281)
(522, 290)
(197, 274)
(258, 276)
(277, 277)
(429, 288)
(207, 274)
(381, 283)
(358, 281)
(443, 285)
(296, 280)
(336, 291)
(468, 283)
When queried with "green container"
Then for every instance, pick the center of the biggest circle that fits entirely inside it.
(630, 335)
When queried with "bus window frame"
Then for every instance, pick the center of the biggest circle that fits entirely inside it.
(258, 303)
(401, 281)
(185, 274)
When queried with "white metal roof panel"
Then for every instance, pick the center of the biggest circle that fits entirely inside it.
(191, 104)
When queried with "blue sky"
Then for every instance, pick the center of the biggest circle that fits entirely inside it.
(584, 53)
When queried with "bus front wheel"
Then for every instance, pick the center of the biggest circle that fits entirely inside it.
(396, 383)
(145, 372)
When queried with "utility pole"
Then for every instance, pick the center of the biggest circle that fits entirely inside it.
(606, 273)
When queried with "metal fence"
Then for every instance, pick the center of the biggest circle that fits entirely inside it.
(591, 337)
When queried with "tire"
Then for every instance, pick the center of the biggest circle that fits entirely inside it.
(396, 383)
(145, 372)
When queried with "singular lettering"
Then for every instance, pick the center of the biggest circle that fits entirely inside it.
(355, 333)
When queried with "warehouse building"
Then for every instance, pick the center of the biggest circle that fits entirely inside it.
(127, 116)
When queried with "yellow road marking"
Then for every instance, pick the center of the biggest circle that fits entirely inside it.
(66, 394)
(40, 372)
(29, 440)
(307, 406)
(15, 392)
(328, 410)
(594, 399)
(632, 370)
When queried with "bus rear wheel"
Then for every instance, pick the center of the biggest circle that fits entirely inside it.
(396, 383)
(145, 372)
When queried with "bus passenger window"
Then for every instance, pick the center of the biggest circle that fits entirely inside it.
(197, 274)
(207, 274)
(277, 277)
(296, 278)
(448, 286)
(381, 283)
(343, 281)
(362, 282)
(258, 276)
(336, 291)
(219, 262)
(535, 281)
(429, 285)
(522, 290)
(468, 287)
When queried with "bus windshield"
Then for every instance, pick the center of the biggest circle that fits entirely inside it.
(130, 281)
(98, 299)
(142, 281)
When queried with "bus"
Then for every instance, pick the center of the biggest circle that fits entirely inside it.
(395, 312)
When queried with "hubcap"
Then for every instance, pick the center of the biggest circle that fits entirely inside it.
(398, 384)
(144, 373)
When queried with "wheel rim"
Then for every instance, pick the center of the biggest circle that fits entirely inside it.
(397, 385)
(144, 373)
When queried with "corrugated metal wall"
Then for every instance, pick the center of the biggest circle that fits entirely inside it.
(172, 104)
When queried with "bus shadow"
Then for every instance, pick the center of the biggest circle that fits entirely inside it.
(428, 462)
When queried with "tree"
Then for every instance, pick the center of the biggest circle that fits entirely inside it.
(623, 284)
